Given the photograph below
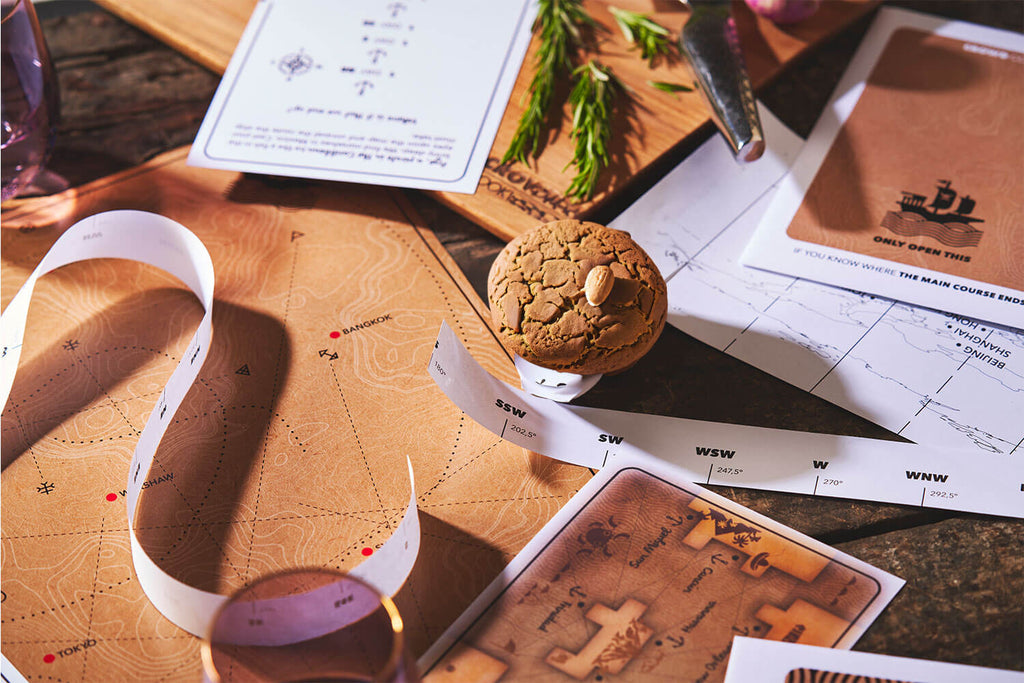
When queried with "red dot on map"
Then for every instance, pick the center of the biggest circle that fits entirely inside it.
(335, 334)
(48, 658)
(111, 497)
(367, 552)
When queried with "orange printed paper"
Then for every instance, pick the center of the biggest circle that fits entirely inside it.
(911, 185)
(929, 168)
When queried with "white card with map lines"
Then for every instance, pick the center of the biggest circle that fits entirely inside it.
(932, 377)
(406, 94)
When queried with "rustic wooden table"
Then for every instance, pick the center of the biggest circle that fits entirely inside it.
(127, 97)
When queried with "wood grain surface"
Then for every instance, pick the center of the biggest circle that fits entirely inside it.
(513, 198)
(128, 97)
(289, 451)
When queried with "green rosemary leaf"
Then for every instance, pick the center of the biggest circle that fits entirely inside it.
(643, 32)
(670, 87)
(592, 99)
(560, 25)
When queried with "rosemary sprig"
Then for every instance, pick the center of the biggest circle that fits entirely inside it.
(592, 100)
(651, 37)
(559, 24)
(670, 87)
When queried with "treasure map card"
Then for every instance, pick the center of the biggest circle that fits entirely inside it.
(752, 659)
(911, 186)
(648, 577)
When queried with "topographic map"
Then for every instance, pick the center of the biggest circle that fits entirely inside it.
(290, 450)
(931, 377)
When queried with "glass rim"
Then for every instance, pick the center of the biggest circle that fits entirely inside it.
(394, 661)
(10, 9)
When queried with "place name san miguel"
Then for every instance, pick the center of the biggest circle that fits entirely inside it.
(977, 346)
(658, 541)
(366, 324)
(518, 189)
(651, 546)
(153, 482)
(75, 649)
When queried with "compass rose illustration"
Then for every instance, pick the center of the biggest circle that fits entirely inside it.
(295, 64)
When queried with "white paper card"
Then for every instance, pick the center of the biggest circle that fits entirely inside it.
(408, 93)
(753, 659)
(935, 378)
(910, 185)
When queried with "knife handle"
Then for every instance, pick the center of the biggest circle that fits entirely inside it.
(710, 42)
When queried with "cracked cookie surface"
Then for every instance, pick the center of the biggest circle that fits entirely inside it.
(536, 292)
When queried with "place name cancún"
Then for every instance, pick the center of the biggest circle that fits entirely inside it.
(794, 634)
(706, 571)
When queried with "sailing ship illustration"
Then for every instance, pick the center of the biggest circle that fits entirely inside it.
(936, 220)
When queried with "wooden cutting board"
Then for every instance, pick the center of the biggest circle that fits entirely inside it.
(513, 198)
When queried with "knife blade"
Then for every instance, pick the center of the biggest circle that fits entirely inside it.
(710, 43)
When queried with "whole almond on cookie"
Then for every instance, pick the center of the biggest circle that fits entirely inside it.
(598, 286)
(534, 289)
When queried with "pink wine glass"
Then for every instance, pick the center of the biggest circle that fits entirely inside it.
(30, 104)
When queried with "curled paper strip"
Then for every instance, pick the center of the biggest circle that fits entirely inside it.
(558, 386)
(164, 244)
(734, 455)
(307, 624)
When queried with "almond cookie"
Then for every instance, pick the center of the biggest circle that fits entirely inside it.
(576, 297)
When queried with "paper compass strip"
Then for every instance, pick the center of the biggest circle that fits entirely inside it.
(734, 455)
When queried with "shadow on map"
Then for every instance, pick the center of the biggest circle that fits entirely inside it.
(103, 379)
(442, 582)
(200, 525)
(81, 372)
(683, 377)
